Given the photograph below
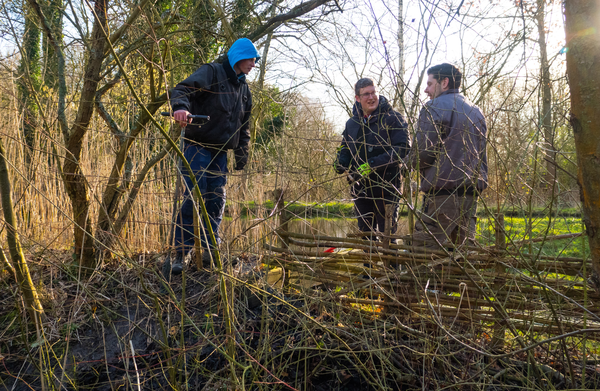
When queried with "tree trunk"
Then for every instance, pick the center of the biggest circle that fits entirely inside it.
(54, 12)
(21, 269)
(113, 194)
(74, 180)
(29, 69)
(582, 19)
(546, 88)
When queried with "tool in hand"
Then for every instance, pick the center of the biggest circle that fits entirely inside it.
(168, 114)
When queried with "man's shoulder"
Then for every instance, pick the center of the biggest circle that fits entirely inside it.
(393, 113)
(393, 116)
(352, 123)
(443, 103)
(214, 67)
(354, 120)
(445, 100)
(208, 71)
(434, 106)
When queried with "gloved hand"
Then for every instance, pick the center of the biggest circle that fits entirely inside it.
(364, 169)
(241, 158)
(338, 167)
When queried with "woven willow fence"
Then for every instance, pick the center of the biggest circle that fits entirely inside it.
(497, 289)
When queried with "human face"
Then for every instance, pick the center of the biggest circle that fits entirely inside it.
(368, 99)
(434, 87)
(244, 66)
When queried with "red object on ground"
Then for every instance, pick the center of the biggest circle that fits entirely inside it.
(329, 250)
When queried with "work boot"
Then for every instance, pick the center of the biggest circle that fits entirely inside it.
(176, 263)
(206, 258)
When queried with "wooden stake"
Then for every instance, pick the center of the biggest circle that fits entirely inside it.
(281, 215)
(498, 338)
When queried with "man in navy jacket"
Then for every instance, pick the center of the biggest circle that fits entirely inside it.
(373, 142)
(218, 90)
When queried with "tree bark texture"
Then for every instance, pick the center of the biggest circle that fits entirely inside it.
(582, 20)
(29, 69)
(73, 177)
(20, 267)
(546, 89)
(54, 15)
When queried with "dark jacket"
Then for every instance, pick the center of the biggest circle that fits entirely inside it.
(215, 90)
(450, 145)
(381, 140)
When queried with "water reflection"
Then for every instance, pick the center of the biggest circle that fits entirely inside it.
(334, 227)
(322, 226)
(248, 234)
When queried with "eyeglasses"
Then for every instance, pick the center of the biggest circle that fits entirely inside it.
(368, 94)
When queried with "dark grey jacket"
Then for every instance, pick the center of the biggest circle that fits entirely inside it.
(450, 145)
(215, 90)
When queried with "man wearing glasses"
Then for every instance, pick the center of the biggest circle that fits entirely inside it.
(373, 142)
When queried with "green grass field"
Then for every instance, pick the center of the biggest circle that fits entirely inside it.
(518, 229)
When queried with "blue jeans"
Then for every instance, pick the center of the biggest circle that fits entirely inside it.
(210, 169)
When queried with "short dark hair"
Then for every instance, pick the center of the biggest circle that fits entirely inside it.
(445, 70)
(362, 83)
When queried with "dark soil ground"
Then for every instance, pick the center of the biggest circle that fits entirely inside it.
(125, 328)
(177, 333)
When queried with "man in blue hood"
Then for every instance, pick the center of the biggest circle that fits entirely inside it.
(373, 142)
(218, 90)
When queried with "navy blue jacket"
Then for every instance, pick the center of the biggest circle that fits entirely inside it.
(215, 90)
(381, 139)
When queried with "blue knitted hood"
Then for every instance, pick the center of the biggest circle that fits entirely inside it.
(242, 49)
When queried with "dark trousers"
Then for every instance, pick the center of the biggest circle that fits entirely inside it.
(370, 213)
(210, 169)
(446, 219)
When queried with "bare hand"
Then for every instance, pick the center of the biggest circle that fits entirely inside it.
(181, 117)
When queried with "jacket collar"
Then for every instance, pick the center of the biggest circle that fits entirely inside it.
(384, 106)
(231, 76)
(448, 92)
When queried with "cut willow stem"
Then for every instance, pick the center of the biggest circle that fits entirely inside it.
(4, 261)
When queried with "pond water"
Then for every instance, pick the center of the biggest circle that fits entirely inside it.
(322, 226)
(248, 234)
(334, 227)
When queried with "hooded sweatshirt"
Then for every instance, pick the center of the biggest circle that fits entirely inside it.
(242, 49)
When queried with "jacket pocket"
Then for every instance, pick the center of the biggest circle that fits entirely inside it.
(225, 101)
